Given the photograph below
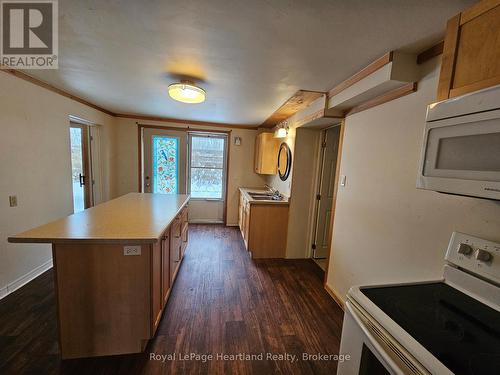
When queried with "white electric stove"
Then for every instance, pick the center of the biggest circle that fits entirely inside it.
(440, 327)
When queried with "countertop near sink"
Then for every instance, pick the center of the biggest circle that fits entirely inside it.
(250, 200)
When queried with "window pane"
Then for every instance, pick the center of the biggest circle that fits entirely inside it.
(206, 183)
(77, 169)
(165, 164)
(207, 152)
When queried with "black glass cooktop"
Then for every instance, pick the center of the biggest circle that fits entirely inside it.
(461, 332)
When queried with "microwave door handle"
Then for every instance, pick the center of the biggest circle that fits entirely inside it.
(378, 348)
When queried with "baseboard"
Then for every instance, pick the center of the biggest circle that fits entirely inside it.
(3, 292)
(232, 225)
(335, 296)
(23, 280)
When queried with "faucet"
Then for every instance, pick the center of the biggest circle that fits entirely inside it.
(276, 194)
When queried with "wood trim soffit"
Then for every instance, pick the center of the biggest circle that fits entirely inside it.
(366, 71)
(297, 102)
(384, 98)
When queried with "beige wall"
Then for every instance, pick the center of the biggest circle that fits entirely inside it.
(385, 229)
(241, 172)
(36, 166)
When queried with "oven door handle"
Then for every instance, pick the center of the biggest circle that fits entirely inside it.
(394, 368)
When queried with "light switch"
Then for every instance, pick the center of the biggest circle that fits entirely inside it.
(13, 200)
(131, 250)
(343, 179)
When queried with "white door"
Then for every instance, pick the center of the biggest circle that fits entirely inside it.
(207, 171)
(165, 153)
(326, 191)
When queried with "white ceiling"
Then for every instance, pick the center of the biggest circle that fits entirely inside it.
(250, 55)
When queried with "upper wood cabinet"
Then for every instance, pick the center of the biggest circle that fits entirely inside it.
(471, 54)
(266, 153)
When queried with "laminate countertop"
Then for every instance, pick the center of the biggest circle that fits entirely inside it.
(135, 217)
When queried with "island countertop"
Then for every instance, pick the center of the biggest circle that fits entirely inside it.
(134, 217)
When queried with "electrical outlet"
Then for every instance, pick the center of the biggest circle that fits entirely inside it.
(13, 200)
(131, 250)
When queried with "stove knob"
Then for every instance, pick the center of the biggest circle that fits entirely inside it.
(483, 255)
(464, 249)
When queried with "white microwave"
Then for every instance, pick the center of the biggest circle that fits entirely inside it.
(461, 149)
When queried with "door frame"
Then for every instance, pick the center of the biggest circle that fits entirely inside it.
(86, 163)
(335, 192)
(187, 129)
(225, 168)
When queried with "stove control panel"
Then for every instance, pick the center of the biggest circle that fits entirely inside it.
(476, 255)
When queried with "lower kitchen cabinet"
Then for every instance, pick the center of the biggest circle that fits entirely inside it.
(263, 227)
(166, 259)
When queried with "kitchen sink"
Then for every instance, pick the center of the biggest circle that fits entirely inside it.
(265, 197)
(261, 195)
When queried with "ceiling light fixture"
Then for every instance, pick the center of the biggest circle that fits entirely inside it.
(186, 92)
(282, 131)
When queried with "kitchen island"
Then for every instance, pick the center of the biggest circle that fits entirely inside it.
(114, 266)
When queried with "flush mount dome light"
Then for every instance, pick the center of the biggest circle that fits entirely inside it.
(186, 92)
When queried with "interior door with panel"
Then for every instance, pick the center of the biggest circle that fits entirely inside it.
(164, 168)
(326, 191)
(207, 169)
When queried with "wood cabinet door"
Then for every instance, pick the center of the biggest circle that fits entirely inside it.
(175, 247)
(471, 54)
(258, 153)
(174, 260)
(165, 264)
(240, 212)
(266, 153)
(184, 238)
(156, 293)
(247, 223)
(243, 219)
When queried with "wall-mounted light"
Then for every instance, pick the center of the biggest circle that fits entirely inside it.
(186, 92)
(282, 130)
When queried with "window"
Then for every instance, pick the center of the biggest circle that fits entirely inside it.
(165, 164)
(207, 163)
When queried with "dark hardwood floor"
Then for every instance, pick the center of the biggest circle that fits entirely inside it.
(222, 302)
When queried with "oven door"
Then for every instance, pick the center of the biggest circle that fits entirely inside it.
(370, 353)
(461, 155)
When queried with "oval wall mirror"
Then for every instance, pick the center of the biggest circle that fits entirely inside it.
(284, 161)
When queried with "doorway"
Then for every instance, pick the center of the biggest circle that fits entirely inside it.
(186, 162)
(80, 166)
(325, 195)
(207, 174)
(164, 169)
